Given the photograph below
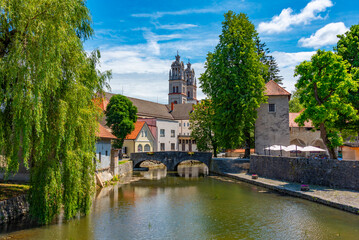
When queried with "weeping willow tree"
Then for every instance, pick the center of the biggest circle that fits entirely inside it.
(48, 120)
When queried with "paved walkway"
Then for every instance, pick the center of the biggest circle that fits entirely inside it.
(343, 199)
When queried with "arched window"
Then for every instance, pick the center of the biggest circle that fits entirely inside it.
(174, 89)
(188, 94)
(147, 148)
(139, 149)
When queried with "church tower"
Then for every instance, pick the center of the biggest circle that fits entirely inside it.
(191, 82)
(177, 84)
(182, 83)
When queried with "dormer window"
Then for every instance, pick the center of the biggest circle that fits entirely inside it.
(271, 108)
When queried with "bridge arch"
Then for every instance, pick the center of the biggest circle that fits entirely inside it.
(171, 159)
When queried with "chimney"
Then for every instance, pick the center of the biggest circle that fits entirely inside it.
(172, 106)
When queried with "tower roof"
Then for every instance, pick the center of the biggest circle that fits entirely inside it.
(273, 89)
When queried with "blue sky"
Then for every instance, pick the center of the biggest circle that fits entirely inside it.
(138, 39)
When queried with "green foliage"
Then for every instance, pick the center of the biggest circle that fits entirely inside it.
(48, 119)
(202, 125)
(120, 117)
(270, 70)
(294, 103)
(323, 87)
(233, 81)
(348, 48)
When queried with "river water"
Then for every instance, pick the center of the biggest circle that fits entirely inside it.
(162, 205)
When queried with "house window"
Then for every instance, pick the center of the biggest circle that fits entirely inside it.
(271, 108)
(188, 95)
(106, 153)
(187, 141)
(139, 148)
(179, 124)
(179, 141)
(174, 89)
(162, 146)
(99, 156)
(172, 146)
(188, 124)
(162, 132)
(147, 148)
(173, 133)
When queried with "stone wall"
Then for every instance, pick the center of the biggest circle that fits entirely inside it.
(124, 168)
(331, 173)
(228, 165)
(13, 208)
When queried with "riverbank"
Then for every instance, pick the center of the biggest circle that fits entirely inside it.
(338, 198)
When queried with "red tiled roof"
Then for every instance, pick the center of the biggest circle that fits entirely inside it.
(273, 89)
(104, 133)
(292, 123)
(133, 135)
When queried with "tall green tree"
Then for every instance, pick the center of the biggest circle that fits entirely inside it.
(202, 125)
(234, 83)
(270, 70)
(323, 85)
(348, 48)
(48, 119)
(120, 117)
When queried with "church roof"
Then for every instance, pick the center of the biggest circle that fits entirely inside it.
(273, 89)
(147, 108)
(181, 111)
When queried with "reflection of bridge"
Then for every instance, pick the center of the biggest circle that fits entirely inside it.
(171, 159)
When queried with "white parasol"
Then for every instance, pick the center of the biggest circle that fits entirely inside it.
(312, 149)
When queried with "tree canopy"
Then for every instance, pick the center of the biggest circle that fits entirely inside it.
(120, 117)
(270, 69)
(233, 81)
(294, 104)
(348, 48)
(323, 85)
(48, 120)
(202, 126)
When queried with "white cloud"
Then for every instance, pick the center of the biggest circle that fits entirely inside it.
(176, 26)
(140, 72)
(287, 63)
(286, 18)
(325, 36)
(156, 15)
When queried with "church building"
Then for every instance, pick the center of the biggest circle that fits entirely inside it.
(182, 83)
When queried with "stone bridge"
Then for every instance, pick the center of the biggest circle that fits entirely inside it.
(171, 159)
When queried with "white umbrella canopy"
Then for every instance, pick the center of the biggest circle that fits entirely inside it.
(275, 147)
(293, 148)
(312, 149)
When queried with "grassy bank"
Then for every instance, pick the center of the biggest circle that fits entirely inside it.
(12, 190)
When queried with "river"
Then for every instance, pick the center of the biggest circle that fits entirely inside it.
(162, 205)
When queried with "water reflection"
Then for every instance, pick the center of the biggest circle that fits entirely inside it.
(160, 205)
(192, 171)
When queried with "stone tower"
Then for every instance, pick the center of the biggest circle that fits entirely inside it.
(182, 83)
(191, 83)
